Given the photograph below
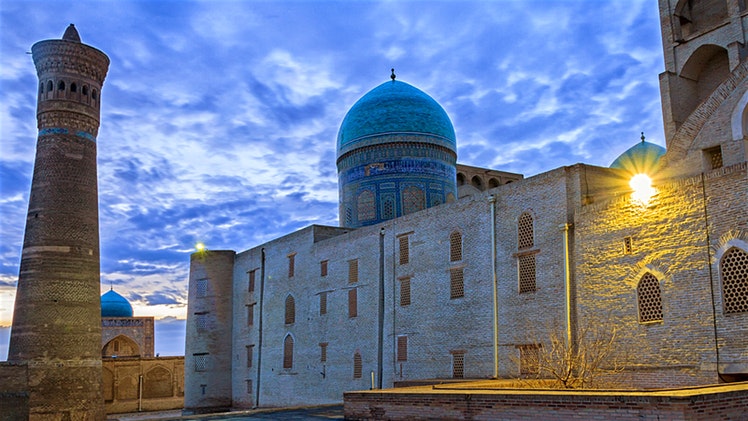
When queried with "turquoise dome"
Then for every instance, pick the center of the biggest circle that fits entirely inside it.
(642, 158)
(395, 107)
(115, 305)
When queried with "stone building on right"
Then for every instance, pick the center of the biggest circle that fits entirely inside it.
(653, 249)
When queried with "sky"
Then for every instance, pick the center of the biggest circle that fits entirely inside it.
(219, 118)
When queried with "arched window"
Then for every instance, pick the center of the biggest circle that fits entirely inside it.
(733, 268)
(455, 246)
(288, 352)
(73, 87)
(85, 90)
(493, 183)
(477, 182)
(706, 68)
(93, 93)
(290, 310)
(367, 209)
(61, 85)
(413, 200)
(693, 16)
(49, 86)
(650, 299)
(358, 365)
(525, 234)
(460, 179)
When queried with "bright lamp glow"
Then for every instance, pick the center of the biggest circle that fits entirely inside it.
(200, 246)
(643, 190)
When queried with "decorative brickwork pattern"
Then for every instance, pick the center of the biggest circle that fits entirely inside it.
(367, 208)
(404, 249)
(413, 200)
(734, 273)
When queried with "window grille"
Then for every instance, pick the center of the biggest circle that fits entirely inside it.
(388, 208)
(734, 273)
(201, 362)
(322, 303)
(405, 291)
(251, 281)
(527, 274)
(404, 249)
(348, 216)
(649, 298)
(367, 209)
(323, 268)
(201, 288)
(290, 310)
(249, 386)
(353, 271)
(714, 157)
(250, 351)
(201, 321)
(628, 245)
(456, 283)
(357, 365)
(352, 302)
(458, 364)
(525, 234)
(455, 246)
(402, 348)
(323, 352)
(413, 200)
(288, 352)
(291, 265)
(529, 359)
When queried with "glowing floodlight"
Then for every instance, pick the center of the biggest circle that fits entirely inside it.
(643, 190)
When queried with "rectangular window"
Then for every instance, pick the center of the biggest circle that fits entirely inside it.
(456, 283)
(529, 359)
(291, 264)
(713, 157)
(402, 348)
(323, 268)
(405, 291)
(201, 362)
(404, 249)
(323, 352)
(250, 352)
(201, 288)
(353, 271)
(249, 386)
(458, 364)
(251, 281)
(628, 245)
(250, 314)
(352, 302)
(526, 273)
(322, 303)
(201, 321)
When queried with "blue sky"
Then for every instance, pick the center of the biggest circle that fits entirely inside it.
(219, 118)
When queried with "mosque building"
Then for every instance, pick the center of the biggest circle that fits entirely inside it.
(440, 270)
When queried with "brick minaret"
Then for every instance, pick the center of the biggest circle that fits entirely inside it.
(57, 318)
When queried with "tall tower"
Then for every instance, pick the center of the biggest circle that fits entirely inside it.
(57, 317)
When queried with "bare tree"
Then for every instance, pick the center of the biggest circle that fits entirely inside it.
(586, 362)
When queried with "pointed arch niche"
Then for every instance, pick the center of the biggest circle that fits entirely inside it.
(120, 346)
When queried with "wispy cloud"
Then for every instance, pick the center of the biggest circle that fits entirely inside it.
(219, 118)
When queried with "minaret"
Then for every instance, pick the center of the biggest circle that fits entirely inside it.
(57, 317)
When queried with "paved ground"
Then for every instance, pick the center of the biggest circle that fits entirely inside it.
(293, 414)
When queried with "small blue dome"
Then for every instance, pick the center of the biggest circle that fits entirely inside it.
(115, 305)
(395, 107)
(642, 158)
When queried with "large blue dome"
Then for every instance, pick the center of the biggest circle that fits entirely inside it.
(642, 158)
(115, 305)
(394, 107)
